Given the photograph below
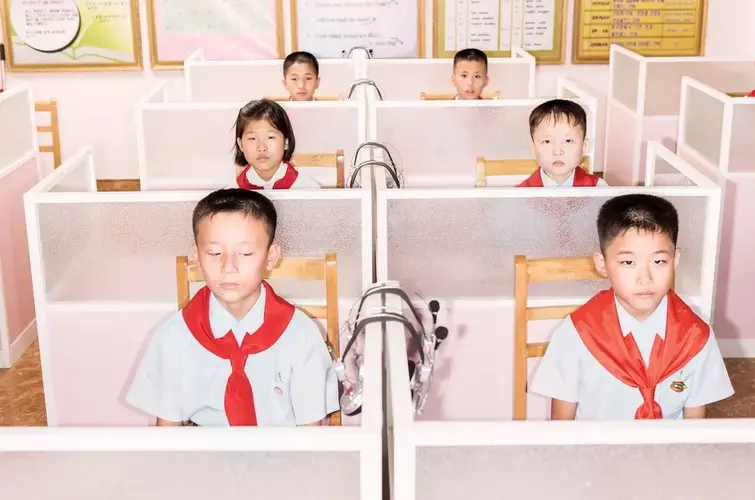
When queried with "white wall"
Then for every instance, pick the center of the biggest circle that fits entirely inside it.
(96, 109)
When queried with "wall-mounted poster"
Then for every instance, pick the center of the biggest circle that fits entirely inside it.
(71, 35)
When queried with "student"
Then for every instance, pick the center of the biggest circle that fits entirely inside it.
(636, 350)
(301, 76)
(194, 369)
(470, 74)
(264, 146)
(558, 129)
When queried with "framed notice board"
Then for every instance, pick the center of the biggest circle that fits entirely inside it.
(495, 26)
(651, 28)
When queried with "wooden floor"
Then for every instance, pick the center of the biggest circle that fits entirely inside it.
(22, 400)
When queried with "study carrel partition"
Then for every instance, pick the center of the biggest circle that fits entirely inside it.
(189, 145)
(436, 143)
(457, 246)
(104, 274)
(716, 135)
(19, 171)
(643, 103)
(236, 81)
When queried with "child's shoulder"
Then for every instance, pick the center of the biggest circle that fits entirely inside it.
(172, 331)
(302, 329)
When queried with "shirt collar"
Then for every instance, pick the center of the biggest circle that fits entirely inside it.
(548, 182)
(255, 179)
(221, 321)
(652, 325)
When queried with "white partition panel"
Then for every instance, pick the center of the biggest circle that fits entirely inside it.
(405, 79)
(716, 135)
(19, 171)
(190, 145)
(104, 270)
(236, 81)
(579, 91)
(643, 103)
(436, 143)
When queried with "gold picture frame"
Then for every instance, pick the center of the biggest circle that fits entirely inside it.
(15, 67)
(154, 53)
(545, 57)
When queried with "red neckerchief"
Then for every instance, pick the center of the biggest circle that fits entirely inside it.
(239, 397)
(284, 182)
(751, 94)
(581, 179)
(597, 323)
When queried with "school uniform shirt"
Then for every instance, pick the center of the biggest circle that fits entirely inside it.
(293, 381)
(286, 177)
(540, 179)
(569, 372)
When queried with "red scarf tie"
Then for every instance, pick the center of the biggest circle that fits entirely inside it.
(284, 182)
(751, 94)
(239, 397)
(581, 179)
(597, 323)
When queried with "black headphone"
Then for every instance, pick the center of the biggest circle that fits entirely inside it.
(392, 170)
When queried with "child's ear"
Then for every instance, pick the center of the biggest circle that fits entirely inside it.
(196, 255)
(487, 80)
(600, 263)
(677, 256)
(240, 144)
(273, 255)
(317, 83)
(585, 146)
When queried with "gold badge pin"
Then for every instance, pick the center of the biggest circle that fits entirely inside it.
(678, 386)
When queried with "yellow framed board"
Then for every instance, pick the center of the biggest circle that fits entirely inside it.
(664, 28)
(71, 35)
(495, 26)
(329, 28)
(225, 29)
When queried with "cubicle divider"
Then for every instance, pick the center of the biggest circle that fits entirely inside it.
(716, 135)
(436, 143)
(189, 145)
(643, 103)
(19, 171)
(103, 267)
(596, 101)
(236, 81)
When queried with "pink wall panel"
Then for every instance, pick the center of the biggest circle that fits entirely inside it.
(619, 153)
(659, 129)
(14, 250)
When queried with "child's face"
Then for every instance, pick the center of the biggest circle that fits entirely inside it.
(558, 147)
(263, 146)
(233, 252)
(641, 266)
(469, 78)
(301, 82)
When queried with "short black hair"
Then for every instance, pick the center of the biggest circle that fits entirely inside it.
(302, 58)
(471, 55)
(643, 212)
(252, 204)
(558, 110)
(271, 111)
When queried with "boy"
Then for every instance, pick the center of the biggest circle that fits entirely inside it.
(470, 74)
(301, 76)
(635, 350)
(237, 353)
(558, 129)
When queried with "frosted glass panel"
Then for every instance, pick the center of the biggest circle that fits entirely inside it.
(626, 79)
(177, 148)
(184, 475)
(127, 251)
(694, 472)
(17, 127)
(742, 157)
(703, 124)
(406, 79)
(234, 82)
(466, 247)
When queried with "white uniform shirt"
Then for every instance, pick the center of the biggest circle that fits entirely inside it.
(294, 382)
(548, 182)
(301, 182)
(570, 373)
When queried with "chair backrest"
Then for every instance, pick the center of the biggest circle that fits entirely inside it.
(488, 168)
(318, 160)
(53, 129)
(423, 96)
(533, 271)
(338, 97)
(288, 268)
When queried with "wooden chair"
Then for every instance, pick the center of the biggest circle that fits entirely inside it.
(324, 98)
(487, 168)
(53, 129)
(740, 94)
(533, 271)
(288, 268)
(320, 160)
(423, 96)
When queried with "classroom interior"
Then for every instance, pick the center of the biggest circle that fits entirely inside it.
(97, 186)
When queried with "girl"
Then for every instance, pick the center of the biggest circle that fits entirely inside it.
(264, 147)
